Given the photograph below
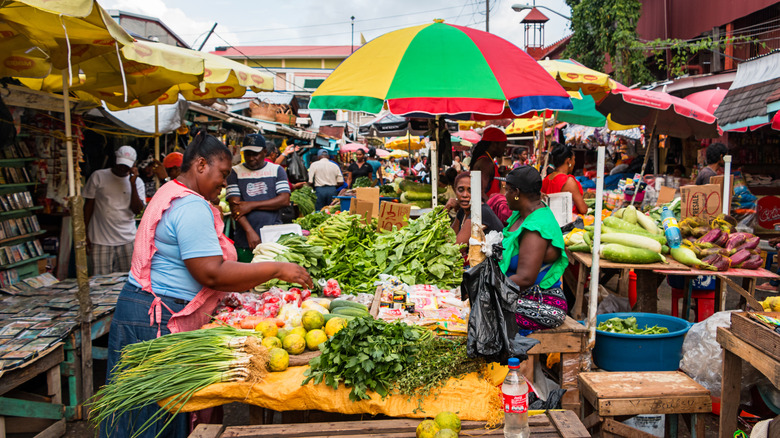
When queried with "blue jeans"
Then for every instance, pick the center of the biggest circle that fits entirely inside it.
(129, 326)
(325, 196)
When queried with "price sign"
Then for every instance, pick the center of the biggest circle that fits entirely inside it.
(701, 201)
(392, 214)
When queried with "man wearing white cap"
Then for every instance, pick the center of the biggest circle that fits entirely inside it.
(113, 197)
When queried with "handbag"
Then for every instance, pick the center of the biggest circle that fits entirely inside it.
(539, 309)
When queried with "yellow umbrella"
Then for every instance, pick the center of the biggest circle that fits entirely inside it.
(408, 142)
(574, 76)
(522, 126)
(398, 154)
(38, 35)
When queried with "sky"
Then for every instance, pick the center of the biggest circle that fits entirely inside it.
(309, 22)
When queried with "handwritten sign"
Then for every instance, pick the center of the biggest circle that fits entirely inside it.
(369, 194)
(704, 201)
(393, 214)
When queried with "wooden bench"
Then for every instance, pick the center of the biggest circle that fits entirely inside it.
(554, 424)
(624, 394)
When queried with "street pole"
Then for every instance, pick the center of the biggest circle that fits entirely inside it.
(487, 15)
(353, 33)
(207, 37)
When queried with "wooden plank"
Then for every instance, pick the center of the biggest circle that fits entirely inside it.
(297, 360)
(623, 283)
(647, 283)
(54, 384)
(568, 424)
(207, 431)
(612, 407)
(592, 420)
(26, 425)
(579, 293)
(768, 366)
(624, 430)
(557, 343)
(757, 333)
(752, 301)
(730, 389)
(56, 430)
(615, 385)
(13, 378)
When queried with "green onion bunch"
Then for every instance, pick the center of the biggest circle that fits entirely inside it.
(177, 366)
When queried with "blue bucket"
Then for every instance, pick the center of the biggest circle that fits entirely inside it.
(623, 352)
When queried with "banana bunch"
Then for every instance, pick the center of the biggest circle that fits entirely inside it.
(771, 304)
(333, 230)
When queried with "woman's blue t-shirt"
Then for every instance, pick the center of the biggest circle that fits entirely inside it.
(185, 231)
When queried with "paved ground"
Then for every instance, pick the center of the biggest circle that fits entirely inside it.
(237, 414)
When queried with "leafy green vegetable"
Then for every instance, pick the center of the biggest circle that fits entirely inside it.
(304, 198)
(312, 220)
(630, 327)
(362, 181)
(387, 190)
(367, 355)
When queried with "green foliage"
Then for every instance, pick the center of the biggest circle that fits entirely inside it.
(608, 27)
(362, 181)
(305, 199)
(681, 51)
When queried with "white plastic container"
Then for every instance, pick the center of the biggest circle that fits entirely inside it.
(561, 205)
(272, 233)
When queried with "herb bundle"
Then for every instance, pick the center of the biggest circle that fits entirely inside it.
(176, 365)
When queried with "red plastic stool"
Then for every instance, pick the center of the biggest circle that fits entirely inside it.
(704, 299)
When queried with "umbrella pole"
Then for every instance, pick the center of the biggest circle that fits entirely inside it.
(80, 244)
(156, 138)
(543, 148)
(435, 166)
(594, 269)
(644, 163)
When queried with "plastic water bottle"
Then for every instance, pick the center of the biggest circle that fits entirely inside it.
(671, 229)
(515, 390)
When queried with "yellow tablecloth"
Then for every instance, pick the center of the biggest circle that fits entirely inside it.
(472, 397)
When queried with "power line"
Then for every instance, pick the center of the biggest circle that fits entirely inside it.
(338, 23)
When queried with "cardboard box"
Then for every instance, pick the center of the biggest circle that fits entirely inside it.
(704, 201)
(718, 179)
(665, 195)
(561, 205)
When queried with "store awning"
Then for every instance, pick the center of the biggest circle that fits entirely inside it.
(252, 123)
(755, 90)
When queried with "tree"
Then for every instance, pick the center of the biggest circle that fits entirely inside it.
(608, 27)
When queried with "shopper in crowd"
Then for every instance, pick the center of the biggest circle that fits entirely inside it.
(113, 197)
(534, 233)
(679, 171)
(151, 173)
(404, 171)
(461, 205)
(522, 159)
(456, 164)
(486, 152)
(181, 260)
(172, 164)
(256, 192)
(561, 180)
(359, 168)
(326, 178)
(715, 153)
(375, 164)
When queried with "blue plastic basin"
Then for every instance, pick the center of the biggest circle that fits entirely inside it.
(347, 200)
(622, 352)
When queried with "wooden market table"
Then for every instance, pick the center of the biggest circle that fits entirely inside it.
(647, 281)
(48, 406)
(553, 424)
(747, 341)
(722, 279)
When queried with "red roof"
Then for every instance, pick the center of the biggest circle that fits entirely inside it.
(285, 51)
(535, 16)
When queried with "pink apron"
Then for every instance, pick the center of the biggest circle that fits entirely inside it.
(198, 311)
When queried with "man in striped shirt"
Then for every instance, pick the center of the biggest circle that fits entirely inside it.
(256, 191)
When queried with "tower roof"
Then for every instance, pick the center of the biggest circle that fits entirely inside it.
(535, 16)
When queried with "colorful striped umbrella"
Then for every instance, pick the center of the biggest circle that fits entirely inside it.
(440, 69)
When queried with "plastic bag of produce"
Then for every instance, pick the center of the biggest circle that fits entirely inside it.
(743, 205)
(702, 356)
(492, 330)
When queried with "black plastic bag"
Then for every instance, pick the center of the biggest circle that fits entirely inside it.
(492, 330)
(296, 170)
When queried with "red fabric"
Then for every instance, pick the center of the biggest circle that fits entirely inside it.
(198, 311)
(497, 203)
(495, 185)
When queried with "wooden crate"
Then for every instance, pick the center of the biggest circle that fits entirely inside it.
(555, 424)
(757, 333)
